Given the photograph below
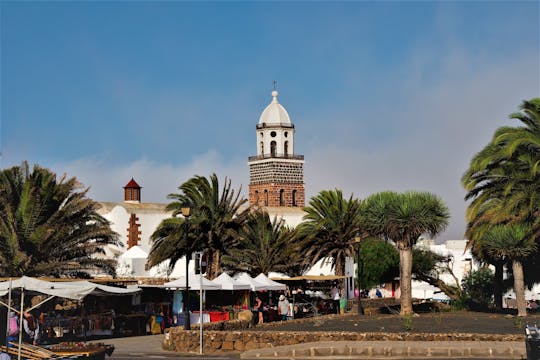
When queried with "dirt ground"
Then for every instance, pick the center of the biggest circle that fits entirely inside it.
(433, 322)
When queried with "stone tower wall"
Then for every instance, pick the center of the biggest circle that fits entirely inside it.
(273, 194)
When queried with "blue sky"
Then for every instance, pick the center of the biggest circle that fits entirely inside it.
(390, 95)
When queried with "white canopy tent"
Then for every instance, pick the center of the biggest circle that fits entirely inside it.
(194, 283)
(101, 290)
(269, 284)
(245, 278)
(228, 283)
(74, 290)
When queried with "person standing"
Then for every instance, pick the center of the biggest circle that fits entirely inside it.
(31, 328)
(12, 328)
(283, 307)
(334, 293)
(260, 308)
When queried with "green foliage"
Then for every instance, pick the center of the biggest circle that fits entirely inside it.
(49, 227)
(519, 322)
(407, 322)
(426, 261)
(380, 262)
(216, 215)
(461, 303)
(503, 184)
(503, 180)
(263, 246)
(510, 241)
(403, 218)
(329, 228)
(478, 288)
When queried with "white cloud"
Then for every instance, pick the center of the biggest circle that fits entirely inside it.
(439, 130)
(157, 179)
(443, 126)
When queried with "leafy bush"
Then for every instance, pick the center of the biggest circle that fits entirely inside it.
(478, 289)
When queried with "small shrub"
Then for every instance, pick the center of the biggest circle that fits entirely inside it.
(519, 322)
(478, 289)
(462, 303)
(407, 321)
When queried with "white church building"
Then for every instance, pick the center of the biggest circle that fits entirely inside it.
(276, 184)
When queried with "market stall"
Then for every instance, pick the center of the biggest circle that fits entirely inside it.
(195, 282)
(232, 298)
(310, 293)
(75, 290)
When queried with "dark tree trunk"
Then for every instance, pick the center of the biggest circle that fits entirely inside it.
(498, 285)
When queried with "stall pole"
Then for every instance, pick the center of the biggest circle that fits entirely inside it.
(21, 325)
(293, 294)
(357, 241)
(8, 311)
(186, 212)
(187, 324)
(200, 308)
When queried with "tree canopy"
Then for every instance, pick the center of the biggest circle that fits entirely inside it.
(263, 245)
(403, 218)
(329, 228)
(503, 186)
(216, 216)
(48, 226)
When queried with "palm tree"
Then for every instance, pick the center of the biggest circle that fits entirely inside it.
(329, 228)
(263, 246)
(49, 227)
(503, 182)
(403, 218)
(514, 243)
(508, 169)
(477, 227)
(216, 216)
(172, 240)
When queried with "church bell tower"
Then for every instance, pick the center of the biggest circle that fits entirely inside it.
(276, 173)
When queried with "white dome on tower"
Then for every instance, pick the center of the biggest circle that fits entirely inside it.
(275, 113)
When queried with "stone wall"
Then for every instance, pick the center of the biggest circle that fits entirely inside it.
(183, 341)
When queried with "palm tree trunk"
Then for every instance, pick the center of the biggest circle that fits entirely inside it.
(498, 284)
(405, 271)
(216, 269)
(209, 264)
(340, 267)
(213, 268)
(519, 287)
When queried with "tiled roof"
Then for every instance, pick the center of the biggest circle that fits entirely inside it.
(132, 184)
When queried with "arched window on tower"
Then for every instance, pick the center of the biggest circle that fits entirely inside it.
(262, 148)
(256, 198)
(281, 197)
(273, 149)
(294, 198)
(265, 197)
(286, 149)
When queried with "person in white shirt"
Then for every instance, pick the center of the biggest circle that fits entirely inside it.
(283, 307)
(31, 328)
(334, 294)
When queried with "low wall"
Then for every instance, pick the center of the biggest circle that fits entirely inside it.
(183, 341)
